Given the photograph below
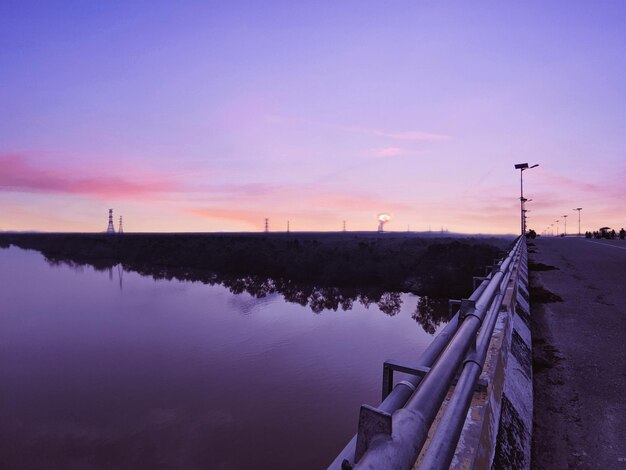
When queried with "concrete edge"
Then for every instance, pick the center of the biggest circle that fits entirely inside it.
(498, 427)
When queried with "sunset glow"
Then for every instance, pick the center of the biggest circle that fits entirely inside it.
(199, 116)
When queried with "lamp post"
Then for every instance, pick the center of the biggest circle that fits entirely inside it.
(552, 229)
(578, 209)
(565, 222)
(521, 167)
(524, 211)
(557, 227)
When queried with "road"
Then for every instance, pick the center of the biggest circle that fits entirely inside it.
(580, 354)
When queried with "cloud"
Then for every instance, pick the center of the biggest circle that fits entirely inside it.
(350, 201)
(18, 175)
(402, 135)
(307, 207)
(388, 152)
(416, 135)
(316, 218)
(249, 217)
(552, 180)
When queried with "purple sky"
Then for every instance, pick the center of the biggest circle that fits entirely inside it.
(211, 117)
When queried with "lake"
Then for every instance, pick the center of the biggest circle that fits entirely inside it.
(112, 369)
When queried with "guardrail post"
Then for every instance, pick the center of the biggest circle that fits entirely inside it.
(390, 365)
(495, 268)
(467, 305)
(451, 304)
(372, 421)
(477, 278)
(387, 380)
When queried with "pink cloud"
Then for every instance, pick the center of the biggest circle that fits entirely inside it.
(389, 152)
(288, 198)
(278, 216)
(416, 135)
(249, 217)
(307, 207)
(401, 135)
(336, 201)
(18, 175)
(568, 183)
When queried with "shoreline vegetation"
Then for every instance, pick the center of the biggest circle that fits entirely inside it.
(322, 270)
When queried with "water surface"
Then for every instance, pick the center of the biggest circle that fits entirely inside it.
(104, 369)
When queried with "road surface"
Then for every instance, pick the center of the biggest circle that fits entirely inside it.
(580, 354)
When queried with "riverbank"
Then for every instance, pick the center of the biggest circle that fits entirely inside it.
(436, 267)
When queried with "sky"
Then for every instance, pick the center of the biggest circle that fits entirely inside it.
(212, 116)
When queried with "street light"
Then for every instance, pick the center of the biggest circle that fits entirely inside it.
(578, 209)
(557, 227)
(521, 167)
(524, 211)
(565, 220)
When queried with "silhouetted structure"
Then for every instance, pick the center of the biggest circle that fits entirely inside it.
(382, 220)
(110, 228)
(605, 232)
(267, 225)
(531, 234)
(521, 167)
(120, 229)
(578, 209)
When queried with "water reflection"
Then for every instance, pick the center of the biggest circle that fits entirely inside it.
(429, 312)
(185, 375)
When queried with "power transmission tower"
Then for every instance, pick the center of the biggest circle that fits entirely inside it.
(110, 228)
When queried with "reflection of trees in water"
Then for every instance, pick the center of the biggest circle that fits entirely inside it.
(318, 298)
(429, 312)
(69, 263)
(390, 303)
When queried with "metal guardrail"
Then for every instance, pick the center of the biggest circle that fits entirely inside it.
(386, 442)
